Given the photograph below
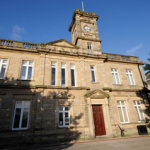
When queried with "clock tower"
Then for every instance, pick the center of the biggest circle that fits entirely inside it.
(84, 30)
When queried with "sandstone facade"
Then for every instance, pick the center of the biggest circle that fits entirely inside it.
(43, 122)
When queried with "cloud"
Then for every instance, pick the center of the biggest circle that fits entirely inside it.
(16, 32)
(133, 50)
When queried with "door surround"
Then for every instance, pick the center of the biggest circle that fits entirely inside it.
(98, 97)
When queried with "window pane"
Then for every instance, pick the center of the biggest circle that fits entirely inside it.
(29, 73)
(141, 113)
(125, 114)
(117, 78)
(61, 108)
(26, 103)
(120, 114)
(2, 73)
(4, 60)
(122, 102)
(24, 62)
(136, 110)
(61, 119)
(72, 78)
(134, 102)
(25, 117)
(66, 108)
(131, 77)
(128, 79)
(66, 114)
(53, 77)
(23, 72)
(63, 82)
(113, 78)
(93, 76)
(92, 67)
(19, 103)
(17, 118)
(30, 63)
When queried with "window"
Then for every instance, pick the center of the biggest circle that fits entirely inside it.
(3, 64)
(63, 74)
(53, 73)
(64, 116)
(27, 68)
(21, 115)
(92, 73)
(72, 66)
(115, 76)
(122, 111)
(89, 45)
(130, 77)
(139, 110)
(75, 33)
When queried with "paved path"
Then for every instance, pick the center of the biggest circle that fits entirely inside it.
(131, 143)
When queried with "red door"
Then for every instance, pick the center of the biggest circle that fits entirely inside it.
(98, 120)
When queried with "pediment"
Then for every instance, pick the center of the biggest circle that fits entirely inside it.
(62, 43)
(96, 94)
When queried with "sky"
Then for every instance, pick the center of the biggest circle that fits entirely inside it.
(124, 25)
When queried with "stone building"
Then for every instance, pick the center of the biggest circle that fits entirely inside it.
(62, 91)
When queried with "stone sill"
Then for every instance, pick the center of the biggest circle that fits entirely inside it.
(118, 84)
(94, 82)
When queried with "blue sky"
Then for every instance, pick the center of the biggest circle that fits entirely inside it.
(124, 25)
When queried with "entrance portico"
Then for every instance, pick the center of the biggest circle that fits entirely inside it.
(99, 119)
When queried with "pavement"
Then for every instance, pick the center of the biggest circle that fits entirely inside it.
(123, 143)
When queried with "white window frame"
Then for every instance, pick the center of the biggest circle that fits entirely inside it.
(89, 45)
(2, 63)
(64, 111)
(115, 72)
(63, 67)
(21, 115)
(93, 69)
(121, 106)
(26, 76)
(137, 107)
(53, 66)
(72, 67)
(130, 75)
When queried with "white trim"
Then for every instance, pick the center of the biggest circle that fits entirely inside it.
(27, 65)
(1, 63)
(121, 106)
(55, 66)
(21, 115)
(89, 45)
(63, 66)
(94, 73)
(72, 67)
(64, 111)
(137, 107)
(115, 72)
(130, 75)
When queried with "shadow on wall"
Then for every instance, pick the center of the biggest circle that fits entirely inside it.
(44, 128)
(144, 93)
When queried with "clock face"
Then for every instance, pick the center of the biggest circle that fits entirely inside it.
(87, 28)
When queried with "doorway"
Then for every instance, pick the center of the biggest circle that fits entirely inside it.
(98, 120)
